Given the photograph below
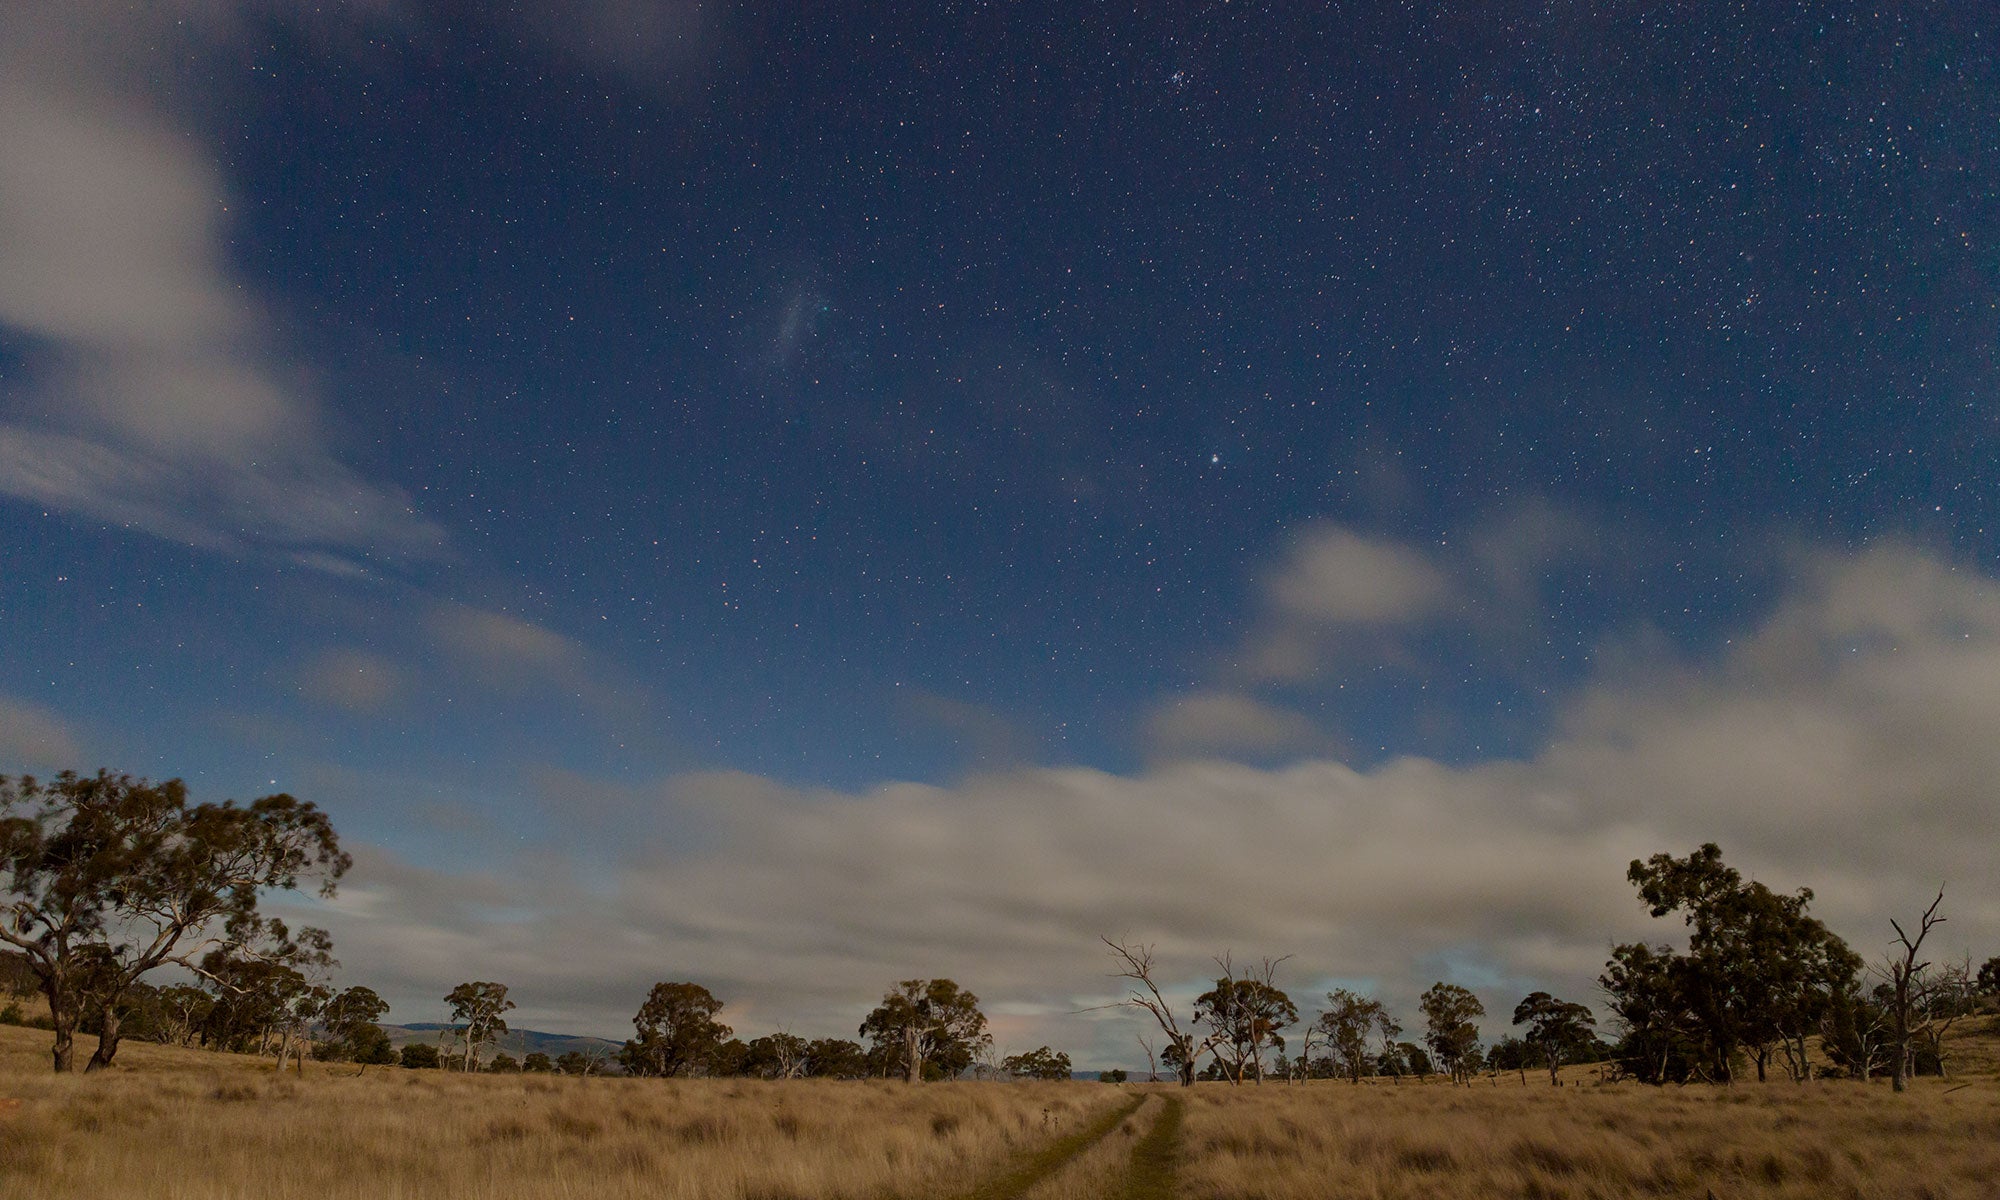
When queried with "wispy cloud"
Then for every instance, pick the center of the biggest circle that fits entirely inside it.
(152, 399)
(1337, 593)
(1207, 724)
(32, 736)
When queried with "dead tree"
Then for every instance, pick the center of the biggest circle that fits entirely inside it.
(1184, 1049)
(1908, 989)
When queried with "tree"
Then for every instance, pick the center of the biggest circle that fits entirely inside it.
(348, 1024)
(1040, 1063)
(271, 987)
(1183, 1050)
(1448, 1012)
(1559, 1030)
(776, 1056)
(1908, 988)
(581, 1062)
(107, 878)
(538, 1063)
(478, 1011)
(1115, 1075)
(1348, 1021)
(1410, 1057)
(927, 1029)
(835, 1058)
(1758, 971)
(1987, 981)
(1949, 994)
(1510, 1053)
(370, 1046)
(1247, 1014)
(677, 1031)
(418, 1056)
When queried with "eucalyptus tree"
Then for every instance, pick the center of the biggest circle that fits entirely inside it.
(478, 1013)
(1348, 1021)
(1758, 971)
(677, 1031)
(1559, 1030)
(927, 1029)
(1449, 1011)
(104, 878)
(1248, 1014)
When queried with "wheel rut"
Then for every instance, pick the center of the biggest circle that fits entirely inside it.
(1024, 1175)
(1151, 1173)
(1077, 1166)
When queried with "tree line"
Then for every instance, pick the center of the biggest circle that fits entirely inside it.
(110, 878)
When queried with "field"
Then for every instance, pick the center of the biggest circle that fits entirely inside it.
(189, 1125)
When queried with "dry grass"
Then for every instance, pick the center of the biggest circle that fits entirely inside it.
(188, 1125)
(1098, 1170)
(1837, 1139)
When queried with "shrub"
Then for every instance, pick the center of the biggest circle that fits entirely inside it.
(417, 1055)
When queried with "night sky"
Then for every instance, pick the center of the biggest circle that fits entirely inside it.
(798, 500)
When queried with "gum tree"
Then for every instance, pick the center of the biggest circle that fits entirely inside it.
(104, 878)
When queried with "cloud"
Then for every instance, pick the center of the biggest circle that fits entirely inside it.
(1228, 724)
(505, 649)
(1847, 742)
(1334, 585)
(652, 44)
(1334, 576)
(354, 680)
(989, 740)
(1337, 594)
(33, 736)
(154, 400)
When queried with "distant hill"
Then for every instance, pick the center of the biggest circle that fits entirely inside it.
(517, 1042)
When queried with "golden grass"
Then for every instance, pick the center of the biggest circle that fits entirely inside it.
(189, 1125)
(1097, 1171)
(1834, 1139)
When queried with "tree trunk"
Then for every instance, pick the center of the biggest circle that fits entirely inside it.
(107, 1041)
(65, 1047)
(62, 1015)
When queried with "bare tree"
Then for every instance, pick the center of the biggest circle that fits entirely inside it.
(1908, 986)
(1184, 1049)
(1302, 1066)
(1152, 1059)
(1948, 995)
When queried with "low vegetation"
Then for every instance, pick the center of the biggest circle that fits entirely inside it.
(1501, 1138)
(172, 1122)
(193, 1125)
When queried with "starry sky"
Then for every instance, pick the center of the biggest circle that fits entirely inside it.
(801, 499)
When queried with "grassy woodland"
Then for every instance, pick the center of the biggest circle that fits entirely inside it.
(194, 1125)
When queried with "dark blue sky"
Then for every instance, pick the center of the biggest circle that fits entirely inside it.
(427, 407)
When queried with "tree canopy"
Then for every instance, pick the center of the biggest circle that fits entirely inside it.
(927, 1029)
(106, 877)
(677, 1033)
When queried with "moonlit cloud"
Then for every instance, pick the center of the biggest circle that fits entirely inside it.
(1227, 724)
(354, 680)
(35, 737)
(1847, 743)
(505, 649)
(153, 396)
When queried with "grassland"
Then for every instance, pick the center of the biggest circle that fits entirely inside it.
(189, 1125)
